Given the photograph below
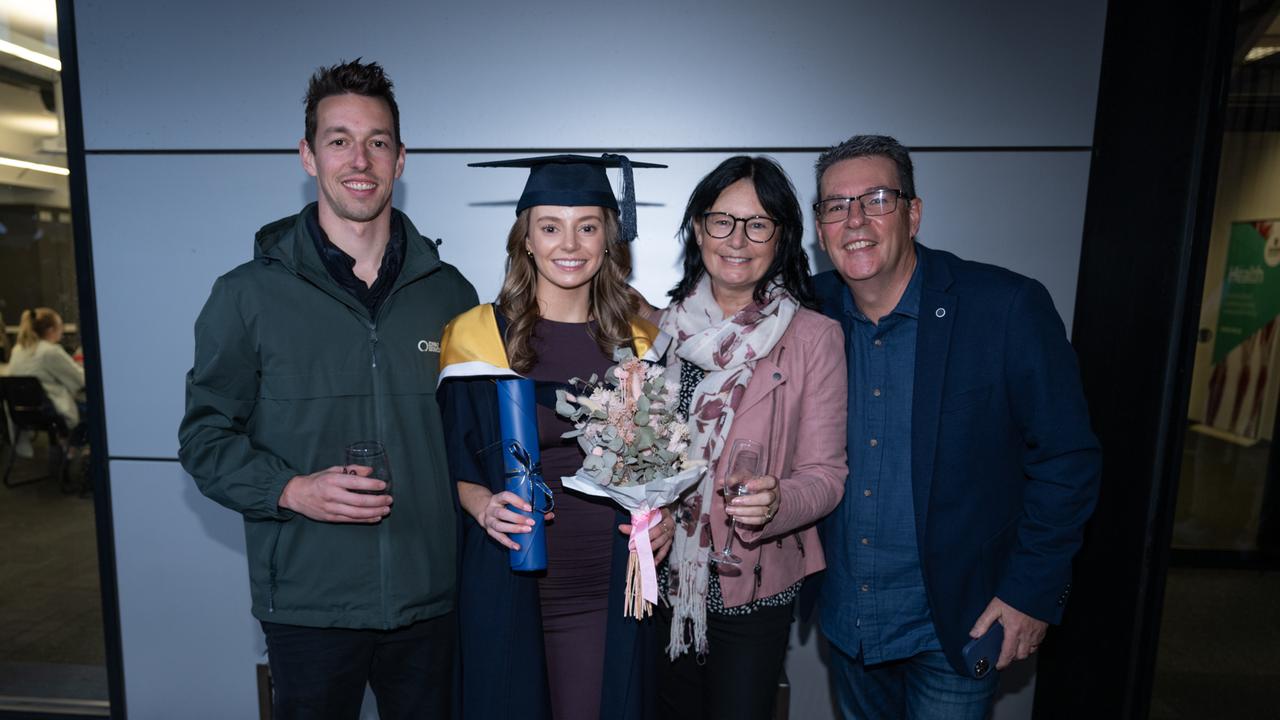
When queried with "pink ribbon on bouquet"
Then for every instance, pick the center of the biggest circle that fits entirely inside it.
(641, 520)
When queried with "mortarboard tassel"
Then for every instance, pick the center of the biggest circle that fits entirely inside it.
(627, 211)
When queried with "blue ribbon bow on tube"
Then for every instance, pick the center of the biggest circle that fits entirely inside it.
(517, 416)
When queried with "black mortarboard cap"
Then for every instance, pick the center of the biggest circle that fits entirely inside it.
(578, 180)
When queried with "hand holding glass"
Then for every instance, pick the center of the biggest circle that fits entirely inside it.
(744, 464)
(371, 454)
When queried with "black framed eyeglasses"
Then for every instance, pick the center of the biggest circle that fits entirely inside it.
(759, 228)
(880, 201)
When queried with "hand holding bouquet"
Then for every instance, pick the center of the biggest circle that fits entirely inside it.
(636, 446)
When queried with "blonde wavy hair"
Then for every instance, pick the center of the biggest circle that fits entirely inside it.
(612, 302)
(35, 324)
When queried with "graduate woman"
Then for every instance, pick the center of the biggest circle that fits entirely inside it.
(552, 643)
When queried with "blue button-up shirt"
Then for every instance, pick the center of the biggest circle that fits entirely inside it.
(873, 599)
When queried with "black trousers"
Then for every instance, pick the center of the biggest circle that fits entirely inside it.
(321, 673)
(738, 678)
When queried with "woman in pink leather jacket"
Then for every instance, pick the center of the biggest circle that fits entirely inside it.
(755, 362)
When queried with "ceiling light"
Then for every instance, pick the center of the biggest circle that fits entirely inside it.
(38, 167)
(52, 63)
(1260, 52)
(40, 12)
(30, 123)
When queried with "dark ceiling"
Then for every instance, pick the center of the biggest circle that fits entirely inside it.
(1253, 103)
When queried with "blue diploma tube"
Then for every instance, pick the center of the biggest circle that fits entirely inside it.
(517, 414)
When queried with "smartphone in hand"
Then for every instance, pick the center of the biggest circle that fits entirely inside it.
(981, 654)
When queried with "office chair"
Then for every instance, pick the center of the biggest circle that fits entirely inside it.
(30, 409)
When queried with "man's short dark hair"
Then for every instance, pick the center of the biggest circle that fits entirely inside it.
(355, 77)
(869, 146)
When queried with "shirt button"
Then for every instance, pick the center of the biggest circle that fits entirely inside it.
(866, 493)
(876, 392)
(777, 376)
(866, 541)
(878, 342)
(866, 587)
(874, 442)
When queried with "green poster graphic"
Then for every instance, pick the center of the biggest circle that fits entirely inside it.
(1251, 288)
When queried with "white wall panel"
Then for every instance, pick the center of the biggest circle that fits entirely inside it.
(190, 644)
(163, 229)
(503, 73)
(155, 261)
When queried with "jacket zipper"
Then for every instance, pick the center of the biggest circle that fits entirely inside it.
(384, 544)
(773, 413)
(271, 584)
(755, 587)
(796, 533)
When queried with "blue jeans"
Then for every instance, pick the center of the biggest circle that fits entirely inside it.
(921, 687)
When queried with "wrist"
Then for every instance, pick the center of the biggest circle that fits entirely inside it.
(285, 501)
(474, 499)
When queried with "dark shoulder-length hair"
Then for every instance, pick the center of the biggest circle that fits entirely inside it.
(790, 265)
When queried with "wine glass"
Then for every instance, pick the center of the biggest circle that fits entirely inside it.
(371, 454)
(744, 464)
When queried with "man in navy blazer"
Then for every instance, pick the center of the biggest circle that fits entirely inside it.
(972, 465)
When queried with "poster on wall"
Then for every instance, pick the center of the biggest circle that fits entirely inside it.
(1245, 345)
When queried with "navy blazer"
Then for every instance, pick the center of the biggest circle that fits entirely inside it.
(1004, 464)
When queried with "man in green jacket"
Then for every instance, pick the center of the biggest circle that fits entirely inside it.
(329, 336)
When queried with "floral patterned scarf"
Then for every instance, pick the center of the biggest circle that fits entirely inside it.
(727, 349)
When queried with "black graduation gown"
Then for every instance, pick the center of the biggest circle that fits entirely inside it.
(503, 671)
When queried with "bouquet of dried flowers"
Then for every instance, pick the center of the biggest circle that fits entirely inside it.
(636, 446)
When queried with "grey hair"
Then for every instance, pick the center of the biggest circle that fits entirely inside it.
(868, 146)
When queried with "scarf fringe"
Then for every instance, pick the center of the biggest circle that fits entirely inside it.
(690, 608)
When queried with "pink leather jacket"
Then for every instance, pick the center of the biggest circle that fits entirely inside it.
(796, 406)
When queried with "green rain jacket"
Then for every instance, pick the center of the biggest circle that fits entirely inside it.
(289, 370)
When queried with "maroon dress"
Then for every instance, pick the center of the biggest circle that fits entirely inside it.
(574, 593)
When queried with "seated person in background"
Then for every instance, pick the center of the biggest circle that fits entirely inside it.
(4, 341)
(39, 354)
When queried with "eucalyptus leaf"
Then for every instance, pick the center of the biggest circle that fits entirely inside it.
(644, 438)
